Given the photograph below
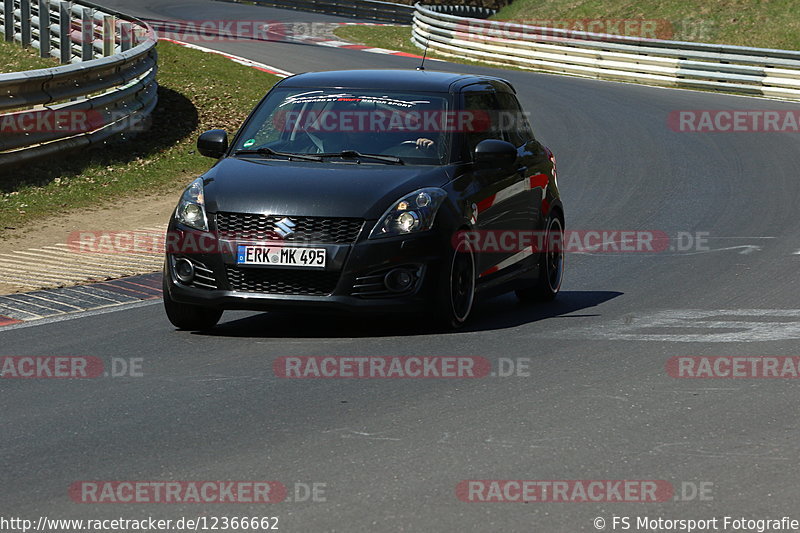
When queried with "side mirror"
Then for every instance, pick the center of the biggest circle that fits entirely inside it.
(495, 153)
(213, 143)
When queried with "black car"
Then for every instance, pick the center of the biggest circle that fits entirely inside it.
(368, 190)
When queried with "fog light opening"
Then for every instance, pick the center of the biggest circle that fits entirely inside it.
(184, 271)
(399, 279)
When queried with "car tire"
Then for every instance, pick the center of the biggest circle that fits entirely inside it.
(456, 291)
(551, 268)
(189, 317)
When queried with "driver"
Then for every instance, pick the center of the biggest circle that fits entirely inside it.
(350, 141)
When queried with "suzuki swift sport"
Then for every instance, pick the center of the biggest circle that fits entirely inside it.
(369, 191)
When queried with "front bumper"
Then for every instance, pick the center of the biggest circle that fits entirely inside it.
(349, 269)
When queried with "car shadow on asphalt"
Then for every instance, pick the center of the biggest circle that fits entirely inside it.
(494, 314)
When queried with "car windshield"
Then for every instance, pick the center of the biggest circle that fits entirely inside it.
(352, 125)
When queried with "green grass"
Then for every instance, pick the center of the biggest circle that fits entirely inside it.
(197, 91)
(14, 58)
(759, 23)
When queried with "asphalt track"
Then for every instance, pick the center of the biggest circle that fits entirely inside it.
(598, 403)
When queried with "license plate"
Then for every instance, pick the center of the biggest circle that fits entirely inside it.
(281, 256)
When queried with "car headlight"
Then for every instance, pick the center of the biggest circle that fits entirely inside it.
(412, 213)
(191, 209)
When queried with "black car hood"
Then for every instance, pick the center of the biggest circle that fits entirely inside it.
(324, 189)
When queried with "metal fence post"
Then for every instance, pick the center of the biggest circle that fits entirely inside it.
(8, 19)
(44, 28)
(64, 32)
(126, 36)
(25, 22)
(87, 34)
(109, 36)
(139, 34)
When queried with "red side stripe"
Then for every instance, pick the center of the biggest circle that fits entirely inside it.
(490, 271)
(486, 203)
(539, 180)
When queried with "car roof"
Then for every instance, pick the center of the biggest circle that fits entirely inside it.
(397, 79)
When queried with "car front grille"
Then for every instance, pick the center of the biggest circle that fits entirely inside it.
(306, 229)
(282, 281)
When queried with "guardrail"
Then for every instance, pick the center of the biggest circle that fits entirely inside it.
(735, 69)
(106, 88)
(362, 9)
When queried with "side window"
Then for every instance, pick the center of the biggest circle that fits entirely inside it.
(513, 121)
(485, 107)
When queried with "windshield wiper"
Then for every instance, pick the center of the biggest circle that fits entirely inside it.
(270, 151)
(352, 154)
